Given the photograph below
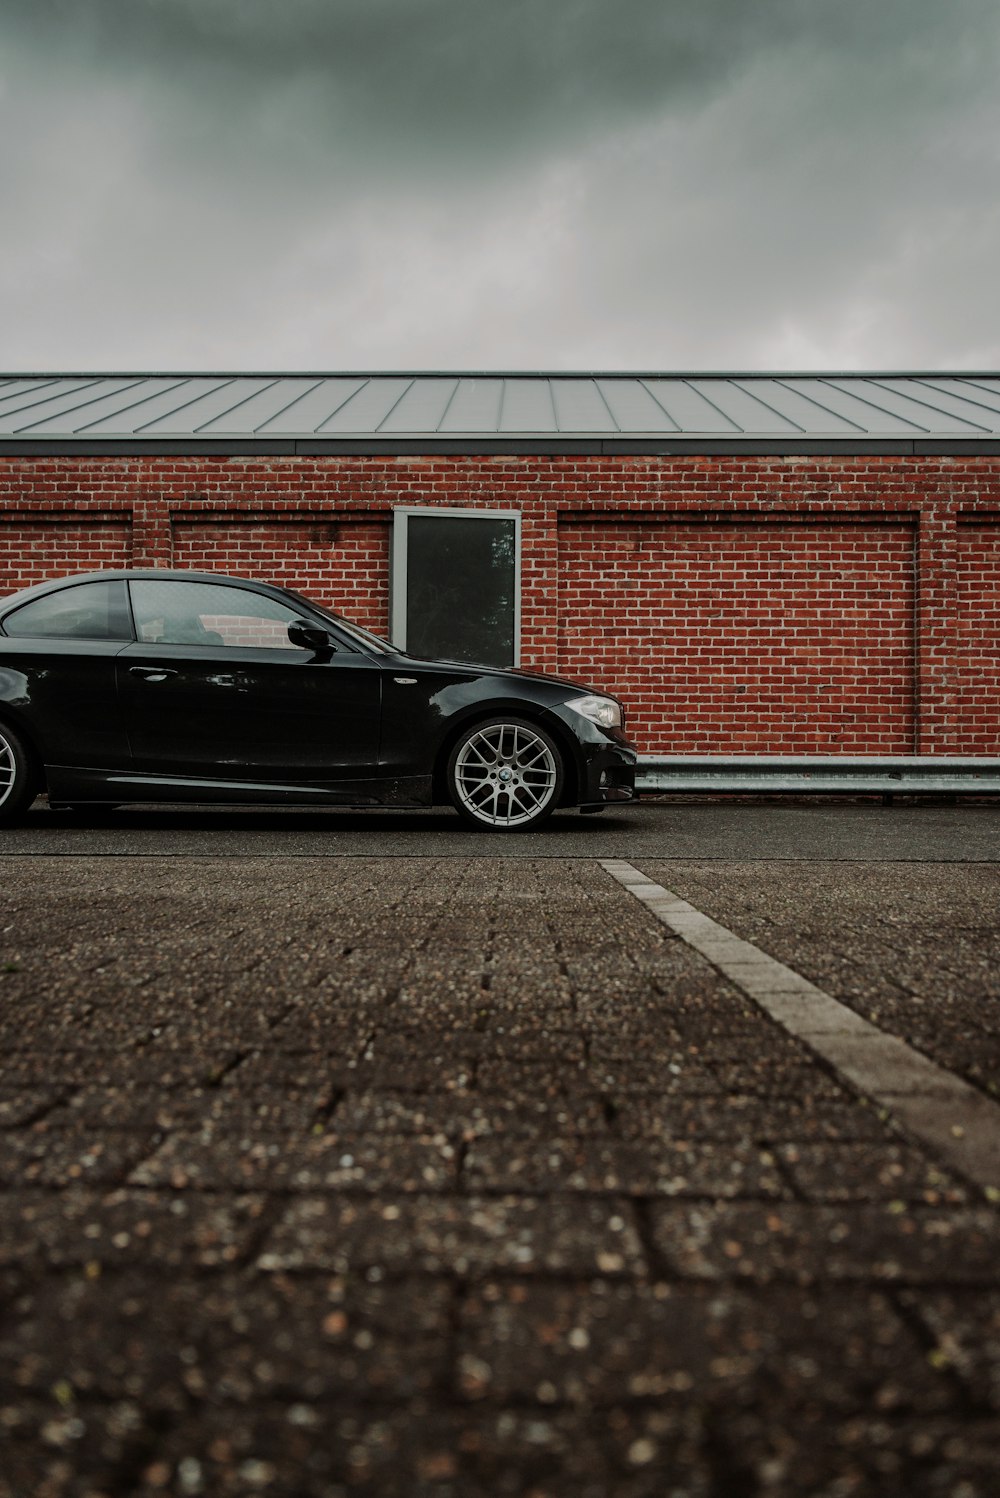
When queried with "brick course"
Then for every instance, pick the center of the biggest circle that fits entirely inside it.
(755, 604)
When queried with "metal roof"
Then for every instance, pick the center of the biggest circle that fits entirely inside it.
(456, 412)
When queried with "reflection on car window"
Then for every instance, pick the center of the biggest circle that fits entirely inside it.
(359, 633)
(356, 631)
(181, 613)
(86, 611)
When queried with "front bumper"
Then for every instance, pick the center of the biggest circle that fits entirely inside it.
(607, 773)
(605, 761)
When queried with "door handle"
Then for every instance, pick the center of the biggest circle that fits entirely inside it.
(151, 673)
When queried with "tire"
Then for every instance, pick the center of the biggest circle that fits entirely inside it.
(17, 781)
(505, 775)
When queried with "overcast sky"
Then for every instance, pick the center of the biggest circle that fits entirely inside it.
(499, 184)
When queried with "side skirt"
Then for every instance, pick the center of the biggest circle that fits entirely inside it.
(66, 783)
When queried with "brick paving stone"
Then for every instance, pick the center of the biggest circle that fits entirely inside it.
(678, 986)
(296, 1449)
(918, 1245)
(667, 1045)
(221, 1158)
(556, 1047)
(640, 1075)
(48, 1157)
(557, 1003)
(145, 1108)
(868, 1172)
(535, 1080)
(119, 1020)
(322, 1027)
(299, 1075)
(319, 1338)
(420, 1074)
(656, 995)
(53, 1449)
(500, 1027)
(794, 1451)
(606, 1342)
(515, 956)
(467, 1235)
(637, 1168)
(153, 1065)
(227, 1338)
(111, 1337)
(24, 1104)
(86, 1227)
(736, 1115)
(768, 1049)
(656, 1038)
(469, 1115)
(766, 1078)
(661, 1016)
(796, 1080)
(965, 1327)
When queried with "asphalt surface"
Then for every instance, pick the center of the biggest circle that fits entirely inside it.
(446, 1169)
(863, 830)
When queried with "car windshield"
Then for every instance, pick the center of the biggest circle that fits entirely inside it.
(363, 636)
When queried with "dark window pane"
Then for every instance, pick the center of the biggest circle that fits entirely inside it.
(85, 611)
(460, 588)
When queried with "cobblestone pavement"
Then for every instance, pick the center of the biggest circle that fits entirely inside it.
(918, 953)
(327, 1177)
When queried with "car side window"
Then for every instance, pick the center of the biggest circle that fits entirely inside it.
(182, 613)
(85, 611)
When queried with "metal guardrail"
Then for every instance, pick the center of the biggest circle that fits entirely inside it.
(815, 774)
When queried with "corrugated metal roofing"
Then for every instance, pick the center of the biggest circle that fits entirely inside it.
(458, 409)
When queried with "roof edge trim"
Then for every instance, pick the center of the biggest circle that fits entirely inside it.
(500, 374)
(507, 447)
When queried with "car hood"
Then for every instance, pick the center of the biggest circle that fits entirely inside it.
(476, 668)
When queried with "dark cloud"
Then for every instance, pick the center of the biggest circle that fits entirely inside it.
(552, 183)
(460, 76)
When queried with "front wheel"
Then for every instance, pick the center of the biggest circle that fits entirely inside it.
(17, 788)
(505, 775)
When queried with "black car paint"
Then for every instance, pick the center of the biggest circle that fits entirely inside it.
(129, 720)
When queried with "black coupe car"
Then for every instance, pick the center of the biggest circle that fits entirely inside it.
(186, 686)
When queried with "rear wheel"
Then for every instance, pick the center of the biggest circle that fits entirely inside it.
(505, 775)
(17, 788)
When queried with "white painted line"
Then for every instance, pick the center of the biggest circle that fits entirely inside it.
(956, 1120)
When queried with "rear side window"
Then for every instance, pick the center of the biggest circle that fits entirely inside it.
(85, 611)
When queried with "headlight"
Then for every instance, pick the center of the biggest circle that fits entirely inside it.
(604, 711)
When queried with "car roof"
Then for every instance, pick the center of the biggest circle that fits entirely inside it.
(155, 574)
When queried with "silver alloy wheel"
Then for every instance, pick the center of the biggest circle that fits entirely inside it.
(8, 769)
(505, 775)
(17, 783)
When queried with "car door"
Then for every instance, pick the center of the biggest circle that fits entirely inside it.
(57, 671)
(214, 689)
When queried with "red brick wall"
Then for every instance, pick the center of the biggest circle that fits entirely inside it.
(855, 601)
(746, 636)
(34, 547)
(977, 652)
(344, 566)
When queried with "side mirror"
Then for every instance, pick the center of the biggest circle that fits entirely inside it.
(310, 636)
